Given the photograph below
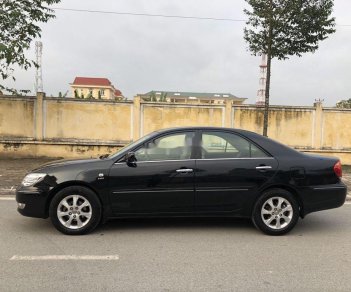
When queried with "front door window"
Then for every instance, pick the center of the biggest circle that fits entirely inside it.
(171, 147)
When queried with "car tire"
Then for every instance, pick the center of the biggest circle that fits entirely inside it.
(75, 210)
(276, 212)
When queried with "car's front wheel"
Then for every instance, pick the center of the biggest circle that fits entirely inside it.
(75, 210)
(276, 212)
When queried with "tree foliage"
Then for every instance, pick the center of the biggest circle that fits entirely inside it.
(284, 28)
(62, 95)
(297, 26)
(161, 97)
(76, 94)
(90, 95)
(344, 104)
(19, 23)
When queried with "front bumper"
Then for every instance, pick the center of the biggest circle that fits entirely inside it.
(323, 197)
(34, 202)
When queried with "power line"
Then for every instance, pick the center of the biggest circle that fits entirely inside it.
(159, 15)
(150, 15)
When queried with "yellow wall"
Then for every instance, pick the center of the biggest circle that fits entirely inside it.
(289, 125)
(17, 117)
(73, 127)
(155, 117)
(87, 120)
(336, 129)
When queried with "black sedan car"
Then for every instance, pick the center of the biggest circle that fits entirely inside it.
(193, 171)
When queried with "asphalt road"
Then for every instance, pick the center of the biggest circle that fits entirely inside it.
(176, 255)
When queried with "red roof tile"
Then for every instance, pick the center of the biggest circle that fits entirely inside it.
(91, 81)
(118, 92)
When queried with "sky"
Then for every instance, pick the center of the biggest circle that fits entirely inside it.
(139, 54)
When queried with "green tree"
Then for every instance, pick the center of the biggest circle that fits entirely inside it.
(19, 26)
(76, 94)
(283, 28)
(344, 103)
(62, 95)
(163, 97)
(90, 95)
(153, 97)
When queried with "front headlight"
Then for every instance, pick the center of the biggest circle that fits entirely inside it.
(32, 178)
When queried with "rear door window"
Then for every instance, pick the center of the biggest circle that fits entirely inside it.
(228, 145)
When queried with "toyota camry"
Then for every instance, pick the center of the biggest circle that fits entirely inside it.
(189, 172)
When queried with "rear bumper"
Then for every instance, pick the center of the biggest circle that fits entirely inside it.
(323, 197)
(34, 203)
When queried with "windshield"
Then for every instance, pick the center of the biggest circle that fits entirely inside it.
(131, 145)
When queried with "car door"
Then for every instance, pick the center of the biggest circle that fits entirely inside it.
(229, 171)
(160, 180)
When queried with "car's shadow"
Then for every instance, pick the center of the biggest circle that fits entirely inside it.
(176, 223)
(314, 223)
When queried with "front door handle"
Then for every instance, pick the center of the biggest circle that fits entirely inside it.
(263, 167)
(184, 170)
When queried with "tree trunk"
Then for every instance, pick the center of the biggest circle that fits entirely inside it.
(266, 100)
(268, 79)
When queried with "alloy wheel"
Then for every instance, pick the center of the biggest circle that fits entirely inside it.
(74, 211)
(277, 213)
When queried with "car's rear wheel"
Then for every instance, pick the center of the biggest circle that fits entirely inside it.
(75, 210)
(276, 212)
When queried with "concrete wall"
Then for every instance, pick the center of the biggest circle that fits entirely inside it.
(86, 120)
(284, 123)
(17, 117)
(336, 129)
(158, 116)
(74, 128)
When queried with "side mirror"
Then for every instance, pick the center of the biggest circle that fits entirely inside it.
(131, 159)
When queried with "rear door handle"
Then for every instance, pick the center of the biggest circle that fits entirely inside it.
(263, 167)
(184, 170)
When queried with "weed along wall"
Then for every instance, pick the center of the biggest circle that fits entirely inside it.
(57, 127)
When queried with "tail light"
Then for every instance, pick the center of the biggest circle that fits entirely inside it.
(338, 169)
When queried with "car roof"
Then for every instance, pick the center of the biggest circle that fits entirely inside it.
(199, 128)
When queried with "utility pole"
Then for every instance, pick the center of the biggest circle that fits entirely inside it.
(38, 75)
(269, 62)
(261, 93)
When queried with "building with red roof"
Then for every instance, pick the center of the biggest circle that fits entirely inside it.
(92, 87)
